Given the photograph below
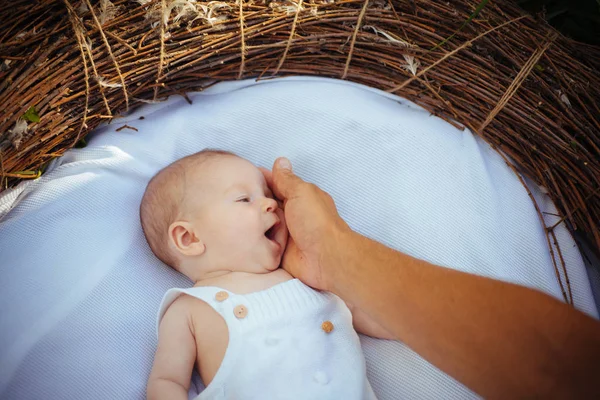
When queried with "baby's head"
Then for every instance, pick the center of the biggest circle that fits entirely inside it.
(212, 212)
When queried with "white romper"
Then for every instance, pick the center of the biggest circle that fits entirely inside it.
(285, 342)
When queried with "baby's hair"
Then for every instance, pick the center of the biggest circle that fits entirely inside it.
(163, 199)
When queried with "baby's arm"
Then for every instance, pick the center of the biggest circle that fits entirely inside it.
(175, 356)
(365, 325)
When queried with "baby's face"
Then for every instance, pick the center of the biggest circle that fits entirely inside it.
(239, 222)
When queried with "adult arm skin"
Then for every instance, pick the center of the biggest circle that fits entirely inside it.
(499, 339)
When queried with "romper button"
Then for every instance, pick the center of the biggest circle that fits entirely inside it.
(240, 311)
(327, 326)
(221, 296)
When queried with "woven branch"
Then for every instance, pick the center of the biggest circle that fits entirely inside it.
(536, 93)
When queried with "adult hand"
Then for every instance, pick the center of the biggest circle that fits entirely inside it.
(313, 222)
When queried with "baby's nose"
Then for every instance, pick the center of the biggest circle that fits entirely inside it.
(269, 205)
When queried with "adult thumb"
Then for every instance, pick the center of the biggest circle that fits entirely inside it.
(285, 182)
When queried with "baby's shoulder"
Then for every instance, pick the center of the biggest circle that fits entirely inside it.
(187, 307)
(178, 309)
(199, 314)
(186, 304)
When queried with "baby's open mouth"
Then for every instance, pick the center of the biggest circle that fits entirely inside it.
(270, 233)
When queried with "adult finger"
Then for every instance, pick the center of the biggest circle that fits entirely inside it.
(289, 261)
(269, 178)
(285, 182)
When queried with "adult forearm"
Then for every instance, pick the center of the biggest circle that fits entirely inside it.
(497, 338)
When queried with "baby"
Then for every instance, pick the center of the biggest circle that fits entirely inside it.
(251, 329)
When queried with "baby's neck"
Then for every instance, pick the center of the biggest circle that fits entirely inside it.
(245, 282)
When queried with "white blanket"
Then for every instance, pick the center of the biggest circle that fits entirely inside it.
(80, 287)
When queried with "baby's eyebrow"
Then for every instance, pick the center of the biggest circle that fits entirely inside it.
(233, 188)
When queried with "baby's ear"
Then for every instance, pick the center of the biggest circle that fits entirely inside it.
(183, 237)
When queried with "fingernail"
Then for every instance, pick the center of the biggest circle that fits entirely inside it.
(284, 163)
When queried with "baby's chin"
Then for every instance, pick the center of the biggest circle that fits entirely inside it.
(274, 265)
(271, 269)
(260, 267)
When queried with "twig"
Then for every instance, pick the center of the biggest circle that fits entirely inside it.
(78, 27)
(516, 83)
(162, 47)
(464, 45)
(573, 211)
(242, 41)
(117, 38)
(126, 127)
(79, 38)
(4, 182)
(360, 17)
(32, 175)
(541, 218)
(289, 43)
(564, 268)
(110, 53)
